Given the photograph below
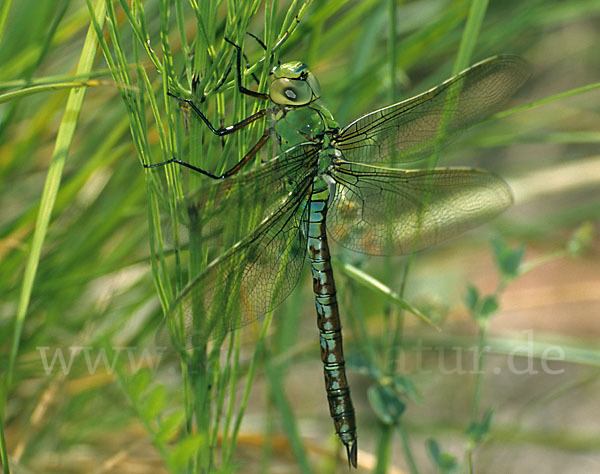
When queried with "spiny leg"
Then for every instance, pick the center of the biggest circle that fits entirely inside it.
(224, 79)
(222, 131)
(226, 75)
(241, 124)
(230, 172)
(258, 40)
(241, 88)
(232, 128)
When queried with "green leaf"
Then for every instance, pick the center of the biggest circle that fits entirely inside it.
(406, 386)
(489, 306)
(507, 260)
(185, 451)
(434, 449)
(386, 404)
(471, 297)
(479, 431)
(62, 146)
(154, 404)
(372, 283)
(360, 363)
(445, 462)
(512, 261)
(169, 426)
(582, 239)
(138, 383)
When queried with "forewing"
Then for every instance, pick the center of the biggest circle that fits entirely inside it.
(385, 211)
(252, 277)
(411, 130)
(224, 212)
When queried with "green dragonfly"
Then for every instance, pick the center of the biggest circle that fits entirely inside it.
(341, 183)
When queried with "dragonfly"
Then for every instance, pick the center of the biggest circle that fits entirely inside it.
(353, 184)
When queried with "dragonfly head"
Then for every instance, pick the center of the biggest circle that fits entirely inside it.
(294, 85)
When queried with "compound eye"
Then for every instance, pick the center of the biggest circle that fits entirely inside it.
(292, 92)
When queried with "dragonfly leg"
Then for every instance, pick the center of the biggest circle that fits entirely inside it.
(241, 88)
(253, 151)
(262, 45)
(195, 81)
(226, 75)
(248, 66)
(258, 40)
(222, 130)
(223, 79)
(230, 172)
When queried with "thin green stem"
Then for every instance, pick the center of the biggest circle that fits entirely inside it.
(249, 381)
(287, 416)
(477, 388)
(479, 372)
(383, 448)
(409, 457)
(392, 49)
(470, 35)
(4, 9)
(3, 452)
(62, 145)
(545, 100)
(399, 330)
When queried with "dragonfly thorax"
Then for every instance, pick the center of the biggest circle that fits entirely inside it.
(326, 157)
(293, 85)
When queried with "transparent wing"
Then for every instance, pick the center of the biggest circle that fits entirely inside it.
(382, 211)
(411, 130)
(224, 212)
(252, 277)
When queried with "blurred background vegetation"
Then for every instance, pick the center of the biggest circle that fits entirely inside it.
(76, 267)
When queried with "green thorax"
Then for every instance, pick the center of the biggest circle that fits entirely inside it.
(300, 116)
(302, 124)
